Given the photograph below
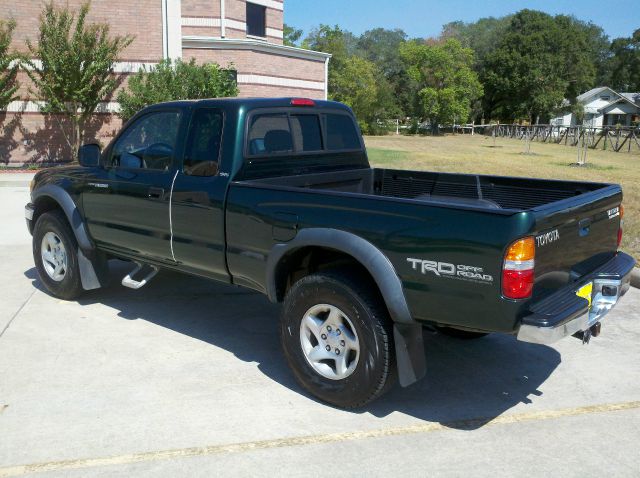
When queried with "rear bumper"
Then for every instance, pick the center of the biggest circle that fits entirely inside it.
(563, 313)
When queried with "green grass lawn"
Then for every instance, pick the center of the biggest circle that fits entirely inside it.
(477, 154)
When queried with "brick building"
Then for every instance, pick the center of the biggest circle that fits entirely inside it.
(247, 34)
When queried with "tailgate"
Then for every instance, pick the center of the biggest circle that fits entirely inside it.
(575, 236)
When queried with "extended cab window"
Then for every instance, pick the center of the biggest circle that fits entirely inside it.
(203, 145)
(149, 143)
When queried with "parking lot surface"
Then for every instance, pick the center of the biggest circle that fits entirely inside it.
(185, 378)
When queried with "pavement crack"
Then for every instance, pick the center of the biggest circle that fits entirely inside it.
(243, 447)
(17, 312)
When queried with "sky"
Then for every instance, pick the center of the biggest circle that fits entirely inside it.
(424, 18)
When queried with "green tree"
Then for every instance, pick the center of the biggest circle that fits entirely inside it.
(8, 64)
(539, 61)
(71, 65)
(291, 35)
(622, 67)
(448, 85)
(382, 47)
(354, 80)
(181, 80)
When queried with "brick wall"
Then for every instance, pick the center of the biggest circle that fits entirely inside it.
(142, 18)
(248, 61)
(32, 137)
(35, 138)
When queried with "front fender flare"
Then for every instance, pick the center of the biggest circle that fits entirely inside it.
(68, 206)
(94, 272)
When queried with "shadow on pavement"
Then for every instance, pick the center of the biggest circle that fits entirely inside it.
(468, 383)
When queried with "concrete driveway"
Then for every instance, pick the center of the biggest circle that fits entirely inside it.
(185, 378)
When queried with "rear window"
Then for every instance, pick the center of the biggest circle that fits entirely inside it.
(285, 133)
(307, 132)
(341, 133)
(270, 134)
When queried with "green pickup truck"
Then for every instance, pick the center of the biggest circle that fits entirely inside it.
(277, 195)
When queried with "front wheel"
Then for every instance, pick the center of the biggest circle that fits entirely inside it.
(55, 255)
(337, 338)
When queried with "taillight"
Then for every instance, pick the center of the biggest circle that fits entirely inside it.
(302, 102)
(517, 271)
(621, 224)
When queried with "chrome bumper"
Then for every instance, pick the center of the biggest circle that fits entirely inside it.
(564, 313)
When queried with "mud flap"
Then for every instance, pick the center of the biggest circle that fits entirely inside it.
(93, 273)
(409, 353)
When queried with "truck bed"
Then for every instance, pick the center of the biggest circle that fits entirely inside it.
(504, 194)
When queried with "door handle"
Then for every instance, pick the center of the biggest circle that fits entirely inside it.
(156, 193)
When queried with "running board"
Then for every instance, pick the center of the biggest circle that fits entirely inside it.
(131, 283)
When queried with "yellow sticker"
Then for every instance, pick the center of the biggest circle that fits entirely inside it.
(585, 292)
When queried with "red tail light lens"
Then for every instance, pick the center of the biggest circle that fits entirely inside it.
(517, 284)
(619, 236)
(518, 269)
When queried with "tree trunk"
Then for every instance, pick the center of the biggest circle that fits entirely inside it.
(77, 137)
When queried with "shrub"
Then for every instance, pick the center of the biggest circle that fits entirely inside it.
(170, 81)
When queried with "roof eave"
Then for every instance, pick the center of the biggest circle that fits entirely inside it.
(216, 43)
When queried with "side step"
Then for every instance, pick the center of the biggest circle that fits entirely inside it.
(131, 283)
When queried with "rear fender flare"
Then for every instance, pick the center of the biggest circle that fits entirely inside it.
(364, 252)
(407, 332)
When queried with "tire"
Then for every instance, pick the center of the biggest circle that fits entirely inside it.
(460, 334)
(363, 375)
(53, 234)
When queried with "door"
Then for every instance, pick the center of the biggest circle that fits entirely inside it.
(127, 203)
(197, 206)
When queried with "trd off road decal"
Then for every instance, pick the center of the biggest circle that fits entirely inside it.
(450, 271)
(615, 212)
(547, 238)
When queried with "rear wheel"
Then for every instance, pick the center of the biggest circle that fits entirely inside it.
(55, 255)
(460, 334)
(337, 338)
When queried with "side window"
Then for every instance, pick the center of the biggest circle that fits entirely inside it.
(147, 144)
(341, 132)
(270, 134)
(306, 132)
(203, 146)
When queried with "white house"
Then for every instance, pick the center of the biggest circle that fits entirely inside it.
(605, 107)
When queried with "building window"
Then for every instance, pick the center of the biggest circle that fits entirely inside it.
(256, 20)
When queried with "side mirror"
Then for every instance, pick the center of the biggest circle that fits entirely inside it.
(89, 155)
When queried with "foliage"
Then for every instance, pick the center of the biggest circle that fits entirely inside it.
(622, 67)
(578, 112)
(382, 47)
(73, 72)
(482, 36)
(540, 60)
(8, 64)
(354, 80)
(291, 35)
(176, 81)
(448, 84)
